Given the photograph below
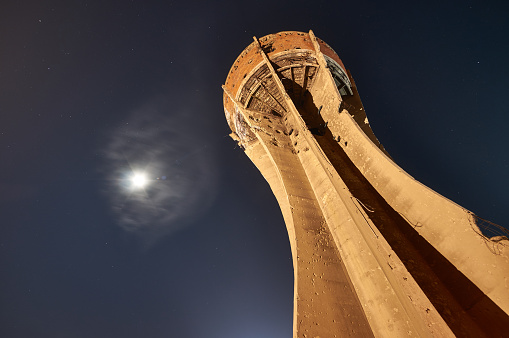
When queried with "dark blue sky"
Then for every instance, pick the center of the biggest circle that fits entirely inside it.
(90, 91)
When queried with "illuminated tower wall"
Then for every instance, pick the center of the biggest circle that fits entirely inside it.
(375, 252)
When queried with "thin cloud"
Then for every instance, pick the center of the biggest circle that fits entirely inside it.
(179, 164)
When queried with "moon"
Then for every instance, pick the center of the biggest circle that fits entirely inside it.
(139, 180)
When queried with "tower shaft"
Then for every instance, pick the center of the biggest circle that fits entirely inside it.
(375, 253)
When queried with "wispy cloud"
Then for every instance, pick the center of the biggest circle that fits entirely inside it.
(169, 148)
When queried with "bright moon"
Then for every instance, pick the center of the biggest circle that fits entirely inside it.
(139, 180)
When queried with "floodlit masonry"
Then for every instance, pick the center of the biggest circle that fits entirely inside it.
(375, 253)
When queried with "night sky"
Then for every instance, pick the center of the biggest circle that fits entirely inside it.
(92, 92)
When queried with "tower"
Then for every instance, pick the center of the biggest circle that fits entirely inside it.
(375, 252)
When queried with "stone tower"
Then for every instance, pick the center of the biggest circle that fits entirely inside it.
(375, 253)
